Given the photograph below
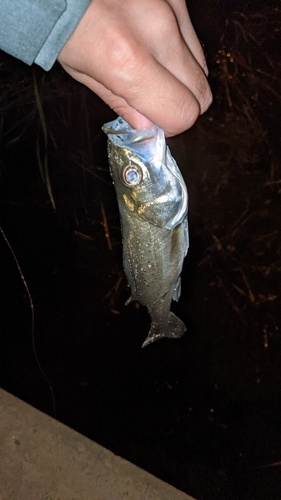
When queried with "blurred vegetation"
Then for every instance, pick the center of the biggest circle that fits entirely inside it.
(243, 183)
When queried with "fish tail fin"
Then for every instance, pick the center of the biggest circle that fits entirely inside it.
(173, 328)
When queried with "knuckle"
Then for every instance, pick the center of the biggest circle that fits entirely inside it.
(122, 52)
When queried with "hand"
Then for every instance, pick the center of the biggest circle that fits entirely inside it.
(143, 58)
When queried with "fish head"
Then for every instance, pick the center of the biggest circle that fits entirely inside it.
(146, 177)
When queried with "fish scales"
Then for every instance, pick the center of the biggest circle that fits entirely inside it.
(152, 200)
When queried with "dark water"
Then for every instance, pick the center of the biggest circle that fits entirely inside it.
(203, 412)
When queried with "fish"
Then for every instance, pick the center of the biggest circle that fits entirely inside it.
(153, 203)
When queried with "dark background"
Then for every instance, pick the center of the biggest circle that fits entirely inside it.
(203, 412)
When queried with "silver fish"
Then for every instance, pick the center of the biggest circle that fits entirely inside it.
(152, 199)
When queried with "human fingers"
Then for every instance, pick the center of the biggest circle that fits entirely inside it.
(117, 103)
(138, 64)
(139, 113)
(168, 47)
(188, 32)
(115, 61)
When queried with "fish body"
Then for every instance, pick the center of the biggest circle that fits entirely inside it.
(152, 199)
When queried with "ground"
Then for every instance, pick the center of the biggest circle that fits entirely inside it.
(203, 412)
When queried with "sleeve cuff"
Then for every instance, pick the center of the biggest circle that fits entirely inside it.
(61, 32)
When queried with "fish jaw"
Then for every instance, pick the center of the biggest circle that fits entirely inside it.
(173, 328)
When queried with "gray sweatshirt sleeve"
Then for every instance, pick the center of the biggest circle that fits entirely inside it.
(36, 30)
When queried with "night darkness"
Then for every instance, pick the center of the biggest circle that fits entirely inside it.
(203, 412)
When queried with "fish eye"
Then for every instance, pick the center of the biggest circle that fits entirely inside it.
(131, 175)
